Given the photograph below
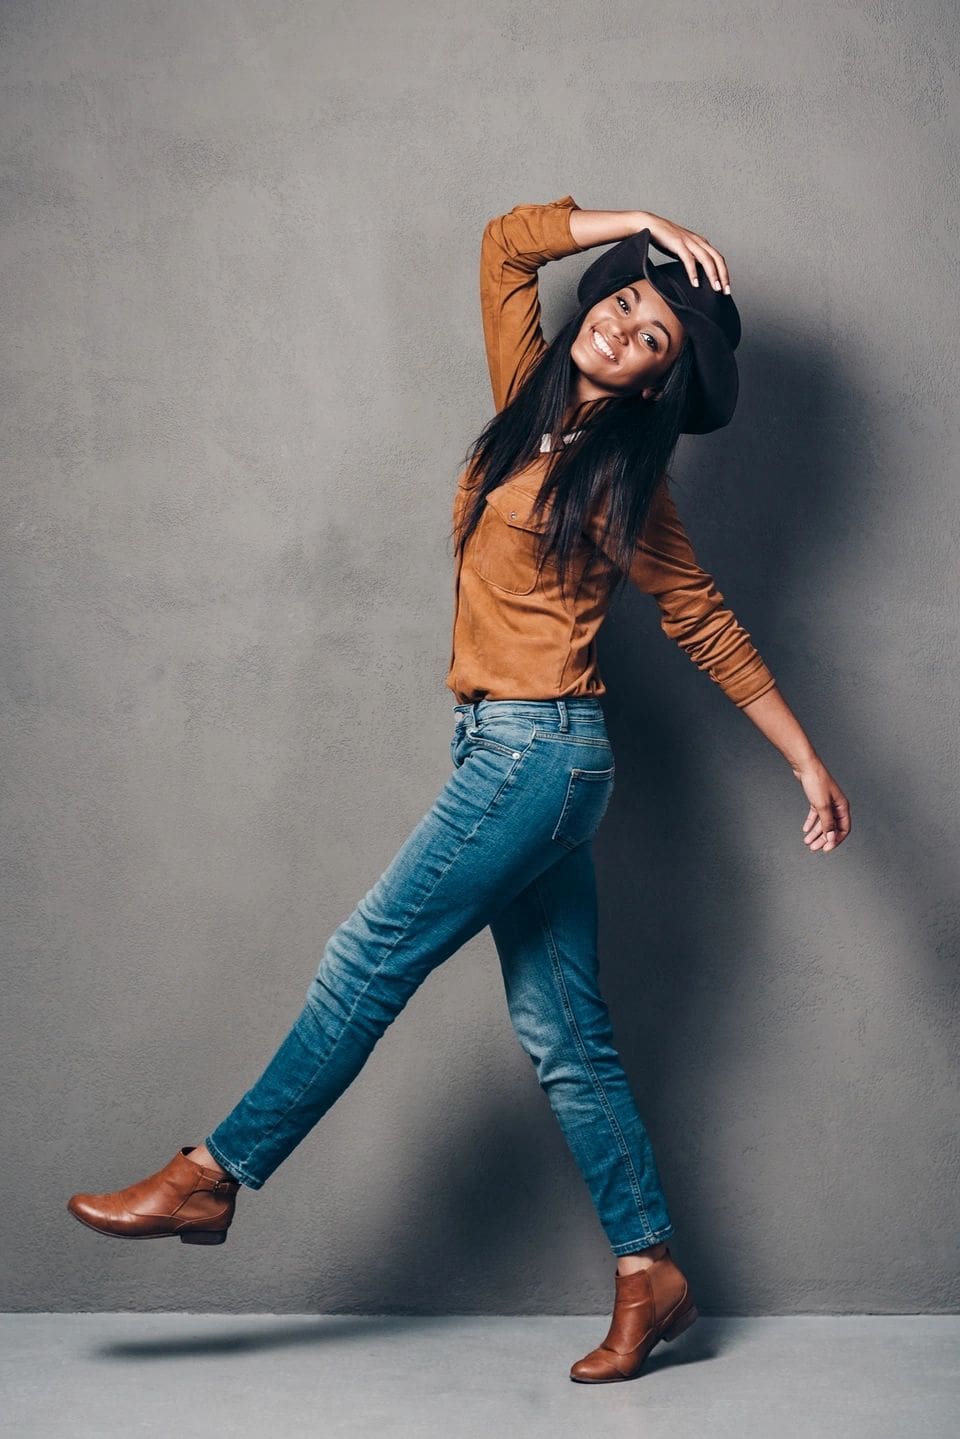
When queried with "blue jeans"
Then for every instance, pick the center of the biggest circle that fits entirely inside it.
(507, 843)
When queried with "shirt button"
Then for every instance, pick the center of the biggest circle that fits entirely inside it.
(513, 514)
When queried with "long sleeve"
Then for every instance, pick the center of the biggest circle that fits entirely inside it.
(692, 609)
(513, 248)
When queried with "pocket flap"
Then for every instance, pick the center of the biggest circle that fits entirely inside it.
(516, 508)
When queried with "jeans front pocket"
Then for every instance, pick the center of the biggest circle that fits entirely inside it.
(506, 734)
(587, 797)
(459, 731)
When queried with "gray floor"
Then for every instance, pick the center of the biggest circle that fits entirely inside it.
(499, 1378)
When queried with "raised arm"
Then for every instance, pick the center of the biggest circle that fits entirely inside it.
(513, 248)
(516, 244)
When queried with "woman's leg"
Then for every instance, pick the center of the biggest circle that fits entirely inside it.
(546, 938)
(478, 845)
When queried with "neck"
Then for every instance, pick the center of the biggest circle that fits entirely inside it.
(578, 409)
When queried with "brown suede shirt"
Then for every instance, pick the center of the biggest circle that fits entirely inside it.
(514, 635)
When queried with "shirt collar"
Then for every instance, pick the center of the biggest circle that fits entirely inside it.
(545, 441)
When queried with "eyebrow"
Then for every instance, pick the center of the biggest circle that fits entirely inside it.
(653, 322)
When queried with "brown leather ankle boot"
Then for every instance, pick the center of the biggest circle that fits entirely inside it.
(182, 1199)
(651, 1304)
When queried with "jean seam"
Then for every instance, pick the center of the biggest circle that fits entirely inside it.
(481, 742)
(612, 1120)
(343, 1029)
(627, 1246)
(236, 1171)
(571, 738)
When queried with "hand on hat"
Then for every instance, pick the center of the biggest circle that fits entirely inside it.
(689, 248)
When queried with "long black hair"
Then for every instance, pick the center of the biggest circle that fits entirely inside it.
(623, 448)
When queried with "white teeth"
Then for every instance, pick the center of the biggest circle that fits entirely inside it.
(601, 345)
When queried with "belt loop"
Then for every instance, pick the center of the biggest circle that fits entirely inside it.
(562, 711)
(473, 714)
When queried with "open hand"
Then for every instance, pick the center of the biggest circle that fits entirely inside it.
(828, 819)
(689, 247)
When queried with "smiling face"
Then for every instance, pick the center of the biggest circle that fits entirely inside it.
(627, 343)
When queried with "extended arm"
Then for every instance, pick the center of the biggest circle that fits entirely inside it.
(827, 821)
(693, 613)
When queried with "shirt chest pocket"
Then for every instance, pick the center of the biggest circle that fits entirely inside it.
(506, 542)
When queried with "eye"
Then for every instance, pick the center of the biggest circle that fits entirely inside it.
(655, 344)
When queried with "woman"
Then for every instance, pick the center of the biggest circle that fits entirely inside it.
(544, 531)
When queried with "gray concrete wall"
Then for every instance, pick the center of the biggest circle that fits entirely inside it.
(243, 361)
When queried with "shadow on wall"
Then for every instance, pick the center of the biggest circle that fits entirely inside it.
(695, 992)
(465, 1198)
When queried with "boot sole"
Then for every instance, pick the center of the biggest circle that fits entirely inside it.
(186, 1236)
(671, 1332)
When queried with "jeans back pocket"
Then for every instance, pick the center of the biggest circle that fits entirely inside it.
(585, 804)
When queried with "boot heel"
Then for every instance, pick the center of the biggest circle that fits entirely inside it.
(203, 1236)
(682, 1322)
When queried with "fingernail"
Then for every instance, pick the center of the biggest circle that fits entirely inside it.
(695, 280)
(726, 289)
(716, 284)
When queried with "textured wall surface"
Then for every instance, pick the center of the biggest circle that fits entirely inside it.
(243, 360)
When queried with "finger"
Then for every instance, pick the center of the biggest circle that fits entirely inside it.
(811, 816)
(704, 258)
(829, 826)
(709, 258)
(688, 259)
(841, 815)
(842, 809)
(723, 270)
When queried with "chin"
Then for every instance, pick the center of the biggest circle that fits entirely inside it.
(601, 381)
(591, 370)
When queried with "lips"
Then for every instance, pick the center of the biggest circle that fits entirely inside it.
(595, 334)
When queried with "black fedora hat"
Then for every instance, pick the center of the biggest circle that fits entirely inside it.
(709, 316)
